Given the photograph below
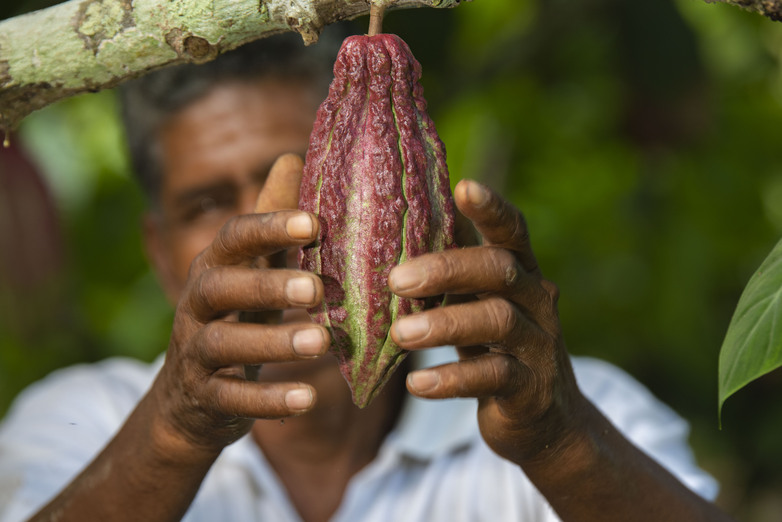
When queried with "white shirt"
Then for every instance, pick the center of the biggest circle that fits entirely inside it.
(434, 465)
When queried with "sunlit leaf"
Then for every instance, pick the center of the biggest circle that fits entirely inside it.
(753, 343)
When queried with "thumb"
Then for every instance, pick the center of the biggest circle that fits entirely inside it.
(281, 189)
(279, 192)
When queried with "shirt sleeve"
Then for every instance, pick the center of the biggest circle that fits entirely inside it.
(648, 423)
(58, 425)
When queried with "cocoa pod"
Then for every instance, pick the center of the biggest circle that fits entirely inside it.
(375, 173)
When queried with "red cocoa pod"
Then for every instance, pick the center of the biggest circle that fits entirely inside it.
(376, 175)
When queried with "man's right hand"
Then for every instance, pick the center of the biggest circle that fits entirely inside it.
(206, 392)
(203, 398)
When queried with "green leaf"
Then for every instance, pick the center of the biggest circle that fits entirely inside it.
(753, 343)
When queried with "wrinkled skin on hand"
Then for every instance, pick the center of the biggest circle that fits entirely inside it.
(505, 325)
(206, 390)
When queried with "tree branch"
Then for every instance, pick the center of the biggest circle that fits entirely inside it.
(769, 8)
(88, 45)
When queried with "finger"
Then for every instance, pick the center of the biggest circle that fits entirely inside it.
(488, 321)
(465, 271)
(475, 271)
(280, 192)
(489, 375)
(244, 238)
(499, 222)
(222, 290)
(222, 343)
(281, 189)
(259, 400)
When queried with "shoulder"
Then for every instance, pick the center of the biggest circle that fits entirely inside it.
(629, 405)
(83, 393)
(641, 417)
(57, 425)
(611, 388)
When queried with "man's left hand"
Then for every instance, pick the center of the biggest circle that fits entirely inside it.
(512, 356)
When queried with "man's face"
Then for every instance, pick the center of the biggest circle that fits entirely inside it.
(216, 155)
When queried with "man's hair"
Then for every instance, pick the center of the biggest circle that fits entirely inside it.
(150, 101)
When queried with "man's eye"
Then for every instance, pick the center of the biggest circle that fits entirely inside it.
(208, 204)
(205, 206)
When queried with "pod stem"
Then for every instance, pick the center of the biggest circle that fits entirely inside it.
(376, 12)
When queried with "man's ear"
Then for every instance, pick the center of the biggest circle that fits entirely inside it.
(159, 256)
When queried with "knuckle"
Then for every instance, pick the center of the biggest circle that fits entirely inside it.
(213, 336)
(445, 320)
(499, 369)
(548, 315)
(444, 265)
(511, 276)
(230, 229)
(552, 290)
(222, 398)
(519, 231)
(206, 286)
(449, 325)
(501, 262)
(501, 318)
(232, 397)
(515, 227)
(197, 265)
(227, 235)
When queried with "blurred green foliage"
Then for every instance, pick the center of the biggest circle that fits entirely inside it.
(105, 301)
(641, 139)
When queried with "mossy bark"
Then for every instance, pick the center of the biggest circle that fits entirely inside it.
(88, 45)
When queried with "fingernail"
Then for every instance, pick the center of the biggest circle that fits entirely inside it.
(300, 291)
(477, 195)
(299, 226)
(298, 399)
(412, 328)
(308, 342)
(423, 380)
(405, 277)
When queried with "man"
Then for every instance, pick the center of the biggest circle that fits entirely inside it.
(181, 437)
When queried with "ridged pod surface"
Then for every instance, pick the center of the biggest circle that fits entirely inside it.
(376, 175)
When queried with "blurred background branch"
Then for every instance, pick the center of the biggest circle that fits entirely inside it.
(770, 8)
